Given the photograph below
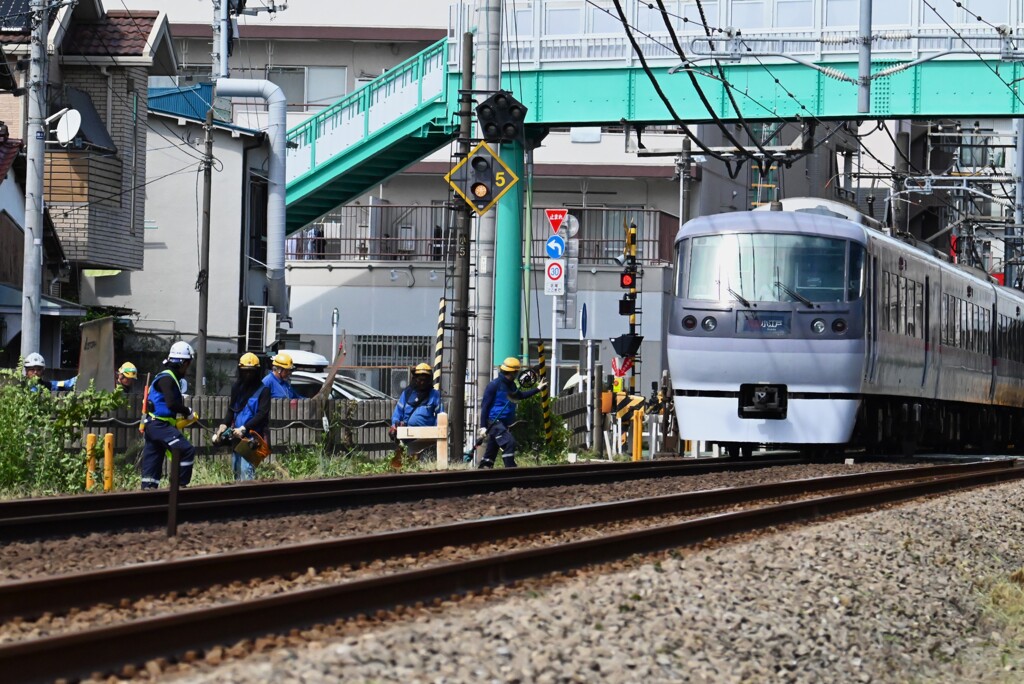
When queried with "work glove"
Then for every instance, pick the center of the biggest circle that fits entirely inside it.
(240, 432)
(219, 433)
(481, 433)
(393, 432)
(542, 385)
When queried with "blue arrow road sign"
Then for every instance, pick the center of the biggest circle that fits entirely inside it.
(555, 246)
(583, 322)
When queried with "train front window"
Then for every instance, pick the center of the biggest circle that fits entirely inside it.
(770, 267)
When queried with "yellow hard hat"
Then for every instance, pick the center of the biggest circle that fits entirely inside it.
(283, 361)
(510, 365)
(128, 370)
(423, 369)
(249, 360)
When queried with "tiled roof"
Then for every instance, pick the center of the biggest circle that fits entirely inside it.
(8, 153)
(120, 34)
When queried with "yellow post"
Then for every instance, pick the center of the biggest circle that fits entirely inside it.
(545, 394)
(90, 461)
(638, 433)
(108, 462)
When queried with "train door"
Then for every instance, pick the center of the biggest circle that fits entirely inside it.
(926, 315)
(993, 350)
(871, 321)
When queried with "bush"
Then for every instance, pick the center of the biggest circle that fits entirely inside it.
(36, 428)
(529, 434)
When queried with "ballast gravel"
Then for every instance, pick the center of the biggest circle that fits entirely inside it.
(896, 595)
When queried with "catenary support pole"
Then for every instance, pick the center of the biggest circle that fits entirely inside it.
(203, 281)
(32, 276)
(864, 58)
(508, 263)
(460, 309)
(1012, 248)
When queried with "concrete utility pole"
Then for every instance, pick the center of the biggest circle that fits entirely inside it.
(32, 276)
(203, 281)
(460, 312)
(488, 79)
(1012, 247)
(215, 52)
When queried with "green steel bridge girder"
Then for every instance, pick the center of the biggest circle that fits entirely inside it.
(940, 88)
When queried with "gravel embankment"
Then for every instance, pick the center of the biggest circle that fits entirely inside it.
(26, 560)
(888, 596)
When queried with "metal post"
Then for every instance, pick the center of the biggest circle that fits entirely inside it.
(335, 317)
(864, 59)
(32, 278)
(684, 182)
(460, 311)
(224, 37)
(589, 385)
(900, 212)
(215, 47)
(1011, 251)
(554, 344)
(203, 281)
(489, 79)
(528, 253)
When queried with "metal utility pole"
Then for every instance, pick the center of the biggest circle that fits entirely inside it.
(1012, 248)
(489, 80)
(684, 182)
(460, 312)
(32, 276)
(864, 58)
(203, 281)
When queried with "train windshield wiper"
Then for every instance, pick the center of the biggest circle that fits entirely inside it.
(794, 294)
(738, 296)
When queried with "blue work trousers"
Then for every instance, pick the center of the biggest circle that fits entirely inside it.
(162, 437)
(499, 437)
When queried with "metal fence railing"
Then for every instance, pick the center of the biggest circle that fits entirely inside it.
(426, 233)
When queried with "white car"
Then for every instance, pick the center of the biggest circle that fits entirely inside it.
(310, 374)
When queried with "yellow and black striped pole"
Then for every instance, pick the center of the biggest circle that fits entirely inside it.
(439, 344)
(542, 371)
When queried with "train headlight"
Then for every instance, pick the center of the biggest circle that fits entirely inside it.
(709, 324)
(818, 326)
(839, 326)
(689, 322)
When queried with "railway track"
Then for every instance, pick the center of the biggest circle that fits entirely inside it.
(111, 647)
(68, 515)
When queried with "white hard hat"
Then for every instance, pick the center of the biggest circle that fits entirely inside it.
(181, 351)
(35, 360)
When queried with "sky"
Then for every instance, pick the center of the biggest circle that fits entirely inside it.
(399, 13)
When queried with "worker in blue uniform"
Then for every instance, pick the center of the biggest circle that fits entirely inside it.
(164, 404)
(281, 367)
(35, 365)
(418, 404)
(248, 410)
(498, 411)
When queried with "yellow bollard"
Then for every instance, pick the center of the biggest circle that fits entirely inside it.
(108, 462)
(638, 434)
(90, 461)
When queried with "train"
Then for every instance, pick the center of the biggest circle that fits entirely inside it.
(810, 327)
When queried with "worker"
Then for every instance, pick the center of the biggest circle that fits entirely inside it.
(281, 367)
(126, 376)
(418, 404)
(164, 404)
(498, 410)
(248, 410)
(35, 365)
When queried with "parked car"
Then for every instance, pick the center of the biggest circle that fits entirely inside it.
(310, 374)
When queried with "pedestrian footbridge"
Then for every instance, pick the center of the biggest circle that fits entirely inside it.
(930, 59)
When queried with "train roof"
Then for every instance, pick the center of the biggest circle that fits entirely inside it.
(796, 222)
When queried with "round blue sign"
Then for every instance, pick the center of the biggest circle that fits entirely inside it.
(555, 247)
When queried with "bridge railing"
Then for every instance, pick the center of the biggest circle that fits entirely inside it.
(388, 98)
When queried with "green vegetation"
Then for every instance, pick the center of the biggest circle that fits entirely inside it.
(533, 448)
(36, 428)
(1004, 611)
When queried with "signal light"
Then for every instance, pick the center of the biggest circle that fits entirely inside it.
(627, 345)
(627, 279)
(502, 118)
(481, 180)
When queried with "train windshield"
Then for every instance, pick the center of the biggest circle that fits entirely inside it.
(770, 267)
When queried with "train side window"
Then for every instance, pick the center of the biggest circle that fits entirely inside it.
(682, 251)
(919, 309)
(855, 272)
(911, 291)
(901, 295)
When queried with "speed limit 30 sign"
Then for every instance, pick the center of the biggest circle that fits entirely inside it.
(554, 277)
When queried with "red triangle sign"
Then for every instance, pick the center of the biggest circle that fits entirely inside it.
(555, 217)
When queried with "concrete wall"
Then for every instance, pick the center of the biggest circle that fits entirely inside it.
(164, 293)
(396, 13)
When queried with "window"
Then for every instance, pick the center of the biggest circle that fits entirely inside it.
(692, 12)
(258, 218)
(604, 19)
(794, 13)
(748, 14)
(843, 13)
(325, 85)
(292, 81)
(562, 21)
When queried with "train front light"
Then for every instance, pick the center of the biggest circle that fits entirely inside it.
(839, 326)
(689, 322)
(709, 324)
(818, 326)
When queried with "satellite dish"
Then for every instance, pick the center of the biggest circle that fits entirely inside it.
(68, 126)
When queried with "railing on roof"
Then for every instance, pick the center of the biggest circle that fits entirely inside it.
(426, 233)
(417, 81)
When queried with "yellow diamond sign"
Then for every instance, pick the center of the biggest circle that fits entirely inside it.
(481, 179)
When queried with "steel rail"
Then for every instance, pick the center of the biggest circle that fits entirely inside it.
(63, 516)
(107, 648)
(31, 598)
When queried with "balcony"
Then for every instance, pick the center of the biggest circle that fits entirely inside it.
(427, 233)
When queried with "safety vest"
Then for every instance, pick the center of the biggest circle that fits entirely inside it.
(158, 401)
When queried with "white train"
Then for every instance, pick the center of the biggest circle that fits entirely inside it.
(808, 328)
